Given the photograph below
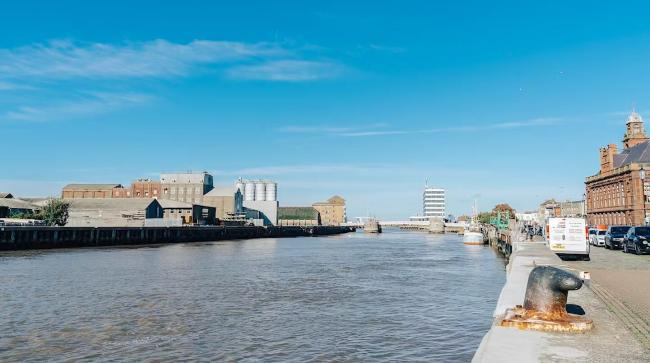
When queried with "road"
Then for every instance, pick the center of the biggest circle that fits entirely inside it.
(623, 282)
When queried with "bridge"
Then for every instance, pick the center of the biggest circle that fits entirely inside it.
(409, 224)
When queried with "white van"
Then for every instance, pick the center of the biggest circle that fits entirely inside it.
(567, 237)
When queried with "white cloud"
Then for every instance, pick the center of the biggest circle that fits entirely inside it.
(157, 58)
(469, 128)
(311, 169)
(91, 104)
(4, 86)
(63, 60)
(286, 70)
(328, 129)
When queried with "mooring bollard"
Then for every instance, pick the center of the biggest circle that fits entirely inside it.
(545, 303)
(548, 289)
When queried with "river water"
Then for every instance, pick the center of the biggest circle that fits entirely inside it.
(398, 296)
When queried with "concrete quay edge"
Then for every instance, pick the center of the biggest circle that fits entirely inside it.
(609, 341)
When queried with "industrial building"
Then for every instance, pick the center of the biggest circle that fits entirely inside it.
(177, 213)
(186, 187)
(433, 200)
(299, 216)
(76, 191)
(112, 212)
(620, 192)
(228, 200)
(566, 209)
(145, 188)
(260, 196)
(332, 212)
(10, 206)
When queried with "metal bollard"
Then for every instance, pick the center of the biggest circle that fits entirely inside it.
(548, 289)
(545, 303)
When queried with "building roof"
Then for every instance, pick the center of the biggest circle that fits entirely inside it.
(637, 154)
(222, 191)
(111, 203)
(91, 186)
(6, 195)
(335, 200)
(14, 203)
(174, 204)
(189, 178)
(308, 213)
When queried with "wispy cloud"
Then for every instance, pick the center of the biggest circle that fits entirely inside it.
(309, 169)
(325, 129)
(7, 86)
(90, 104)
(157, 58)
(381, 129)
(63, 59)
(468, 128)
(287, 70)
(386, 48)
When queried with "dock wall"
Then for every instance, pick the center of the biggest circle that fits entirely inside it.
(28, 238)
(505, 344)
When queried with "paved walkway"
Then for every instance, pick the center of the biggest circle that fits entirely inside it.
(622, 281)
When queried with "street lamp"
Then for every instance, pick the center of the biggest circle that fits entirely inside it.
(642, 175)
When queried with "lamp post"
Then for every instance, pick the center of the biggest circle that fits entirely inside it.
(642, 175)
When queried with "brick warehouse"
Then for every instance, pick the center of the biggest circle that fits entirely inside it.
(619, 193)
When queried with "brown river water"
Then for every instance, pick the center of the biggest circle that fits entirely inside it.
(398, 296)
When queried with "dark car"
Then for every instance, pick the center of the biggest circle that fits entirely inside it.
(637, 240)
(614, 237)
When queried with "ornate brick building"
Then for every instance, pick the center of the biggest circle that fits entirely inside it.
(619, 193)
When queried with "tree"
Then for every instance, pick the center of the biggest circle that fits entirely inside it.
(484, 217)
(504, 207)
(55, 213)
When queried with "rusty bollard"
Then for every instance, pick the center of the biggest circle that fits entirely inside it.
(545, 303)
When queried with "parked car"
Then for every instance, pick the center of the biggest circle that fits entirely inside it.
(598, 237)
(592, 235)
(614, 237)
(637, 240)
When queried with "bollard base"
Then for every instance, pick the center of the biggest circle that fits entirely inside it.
(523, 319)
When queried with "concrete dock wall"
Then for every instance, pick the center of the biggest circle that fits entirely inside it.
(505, 344)
(27, 238)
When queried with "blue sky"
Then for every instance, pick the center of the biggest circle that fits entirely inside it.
(499, 101)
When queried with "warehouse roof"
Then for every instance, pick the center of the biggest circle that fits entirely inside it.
(222, 191)
(637, 154)
(168, 204)
(14, 203)
(335, 200)
(92, 186)
(6, 195)
(308, 213)
(110, 203)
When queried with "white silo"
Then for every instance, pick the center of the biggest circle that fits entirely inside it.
(249, 191)
(260, 191)
(271, 191)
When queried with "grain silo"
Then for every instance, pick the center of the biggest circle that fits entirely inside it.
(249, 191)
(260, 191)
(271, 191)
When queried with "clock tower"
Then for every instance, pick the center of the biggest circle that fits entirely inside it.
(635, 133)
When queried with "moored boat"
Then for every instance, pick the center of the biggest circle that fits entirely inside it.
(372, 226)
(473, 238)
(473, 234)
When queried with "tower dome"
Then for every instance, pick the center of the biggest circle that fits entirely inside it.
(634, 117)
(635, 132)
